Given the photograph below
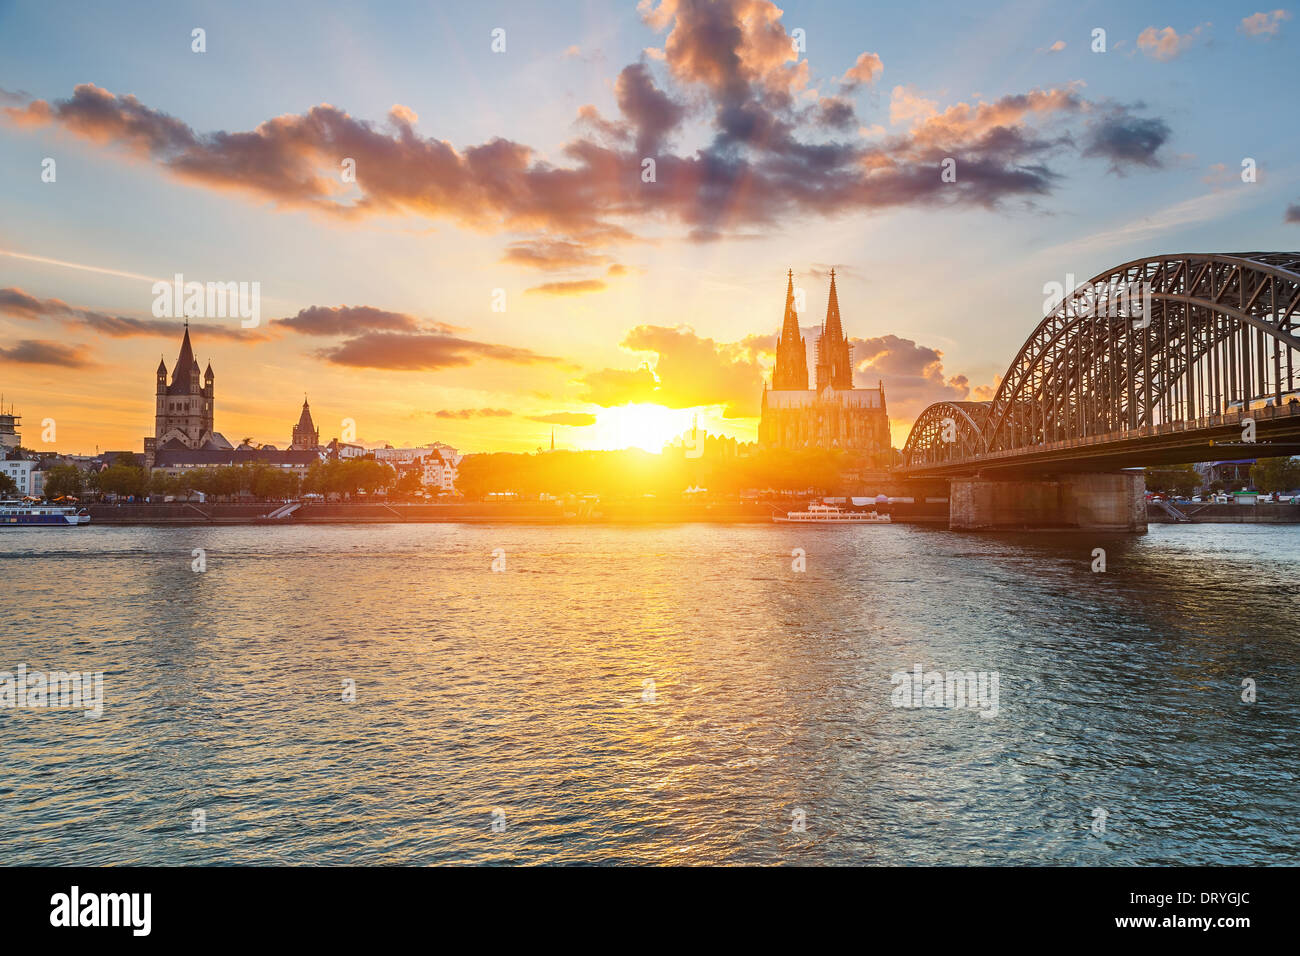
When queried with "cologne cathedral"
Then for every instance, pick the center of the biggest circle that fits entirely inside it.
(833, 414)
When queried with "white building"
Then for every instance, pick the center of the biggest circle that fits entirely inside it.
(25, 475)
(440, 469)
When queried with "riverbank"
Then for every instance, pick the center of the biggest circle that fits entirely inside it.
(645, 511)
(1209, 513)
(648, 511)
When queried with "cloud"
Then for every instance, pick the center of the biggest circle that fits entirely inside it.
(1165, 44)
(689, 371)
(420, 351)
(349, 320)
(1263, 24)
(651, 113)
(864, 71)
(1126, 140)
(1292, 213)
(16, 302)
(613, 386)
(574, 419)
(1056, 47)
(43, 352)
(575, 287)
(473, 413)
(913, 374)
(727, 66)
(551, 254)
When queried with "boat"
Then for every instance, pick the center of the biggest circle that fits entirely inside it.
(36, 514)
(819, 513)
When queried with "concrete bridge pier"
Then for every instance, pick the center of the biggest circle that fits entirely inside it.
(1085, 502)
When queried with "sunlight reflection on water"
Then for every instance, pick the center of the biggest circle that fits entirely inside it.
(525, 692)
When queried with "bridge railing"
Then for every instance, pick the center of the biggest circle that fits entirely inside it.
(1235, 417)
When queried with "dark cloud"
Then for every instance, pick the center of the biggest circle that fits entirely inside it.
(43, 352)
(16, 302)
(650, 112)
(574, 419)
(1292, 213)
(412, 351)
(473, 413)
(913, 375)
(349, 320)
(729, 64)
(1126, 140)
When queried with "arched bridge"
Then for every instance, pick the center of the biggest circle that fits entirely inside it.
(1177, 358)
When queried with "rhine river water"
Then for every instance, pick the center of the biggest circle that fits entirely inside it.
(659, 694)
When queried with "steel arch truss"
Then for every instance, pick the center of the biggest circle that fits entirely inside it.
(948, 432)
(1166, 341)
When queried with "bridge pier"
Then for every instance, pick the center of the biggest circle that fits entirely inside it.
(1084, 502)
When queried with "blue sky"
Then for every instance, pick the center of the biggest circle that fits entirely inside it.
(938, 291)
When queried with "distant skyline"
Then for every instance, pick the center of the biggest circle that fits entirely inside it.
(519, 177)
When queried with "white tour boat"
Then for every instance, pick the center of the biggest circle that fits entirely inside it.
(819, 513)
(36, 514)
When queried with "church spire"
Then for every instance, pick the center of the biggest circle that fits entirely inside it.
(832, 326)
(791, 353)
(834, 353)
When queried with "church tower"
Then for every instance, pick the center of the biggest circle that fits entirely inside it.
(306, 437)
(834, 361)
(791, 370)
(183, 409)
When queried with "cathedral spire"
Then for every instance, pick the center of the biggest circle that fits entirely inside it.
(791, 370)
(832, 325)
(834, 354)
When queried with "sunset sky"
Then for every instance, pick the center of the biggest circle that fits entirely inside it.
(629, 306)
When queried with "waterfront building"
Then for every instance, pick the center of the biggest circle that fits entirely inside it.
(440, 468)
(184, 407)
(832, 414)
(340, 451)
(25, 474)
(9, 437)
(306, 436)
(176, 460)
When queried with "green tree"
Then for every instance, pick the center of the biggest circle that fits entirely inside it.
(1173, 479)
(1275, 474)
(63, 480)
(122, 480)
(409, 484)
(8, 487)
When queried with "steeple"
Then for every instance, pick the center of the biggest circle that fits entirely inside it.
(185, 363)
(834, 354)
(791, 370)
(832, 324)
(306, 437)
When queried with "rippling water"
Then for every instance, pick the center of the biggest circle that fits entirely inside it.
(521, 697)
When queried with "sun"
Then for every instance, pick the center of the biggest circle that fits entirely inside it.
(639, 426)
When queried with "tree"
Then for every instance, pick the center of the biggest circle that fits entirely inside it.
(1173, 479)
(122, 480)
(1275, 474)
(409, 484)
(63, 480)
(8, 487)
